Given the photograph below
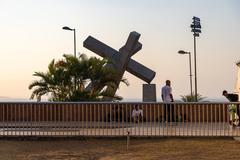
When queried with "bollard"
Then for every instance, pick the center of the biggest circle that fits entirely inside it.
(128, 139)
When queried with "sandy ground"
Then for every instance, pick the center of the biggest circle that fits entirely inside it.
(116, 149)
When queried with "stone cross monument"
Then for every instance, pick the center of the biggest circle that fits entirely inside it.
(121, 59)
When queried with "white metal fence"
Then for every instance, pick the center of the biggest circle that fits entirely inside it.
(117, 119)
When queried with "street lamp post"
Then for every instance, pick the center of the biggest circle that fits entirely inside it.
(74, 38)
(196, 29)
(74, 31)
(190, 67)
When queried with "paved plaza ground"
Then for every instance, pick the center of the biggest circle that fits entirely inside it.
(116, 149)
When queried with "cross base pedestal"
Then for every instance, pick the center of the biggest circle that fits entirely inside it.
(149, 93)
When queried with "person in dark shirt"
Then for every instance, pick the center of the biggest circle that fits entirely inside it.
(232, 98)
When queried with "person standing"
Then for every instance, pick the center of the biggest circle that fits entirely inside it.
(167, 98)
(233, 107)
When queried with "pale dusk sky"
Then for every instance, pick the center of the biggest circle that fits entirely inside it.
(31, 36)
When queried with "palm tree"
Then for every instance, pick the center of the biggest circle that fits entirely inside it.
(66, 80)
(189, 98)
(51, 82)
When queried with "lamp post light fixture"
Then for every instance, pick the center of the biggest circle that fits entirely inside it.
(190, 67)
(74, 31)
(196, 29)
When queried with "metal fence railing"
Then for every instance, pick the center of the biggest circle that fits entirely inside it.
(118, 119)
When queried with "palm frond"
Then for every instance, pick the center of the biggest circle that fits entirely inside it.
(37, 83)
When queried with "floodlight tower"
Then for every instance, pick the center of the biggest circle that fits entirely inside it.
(196, 29)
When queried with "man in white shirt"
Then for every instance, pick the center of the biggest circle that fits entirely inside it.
(137, 114)
(167, 97)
